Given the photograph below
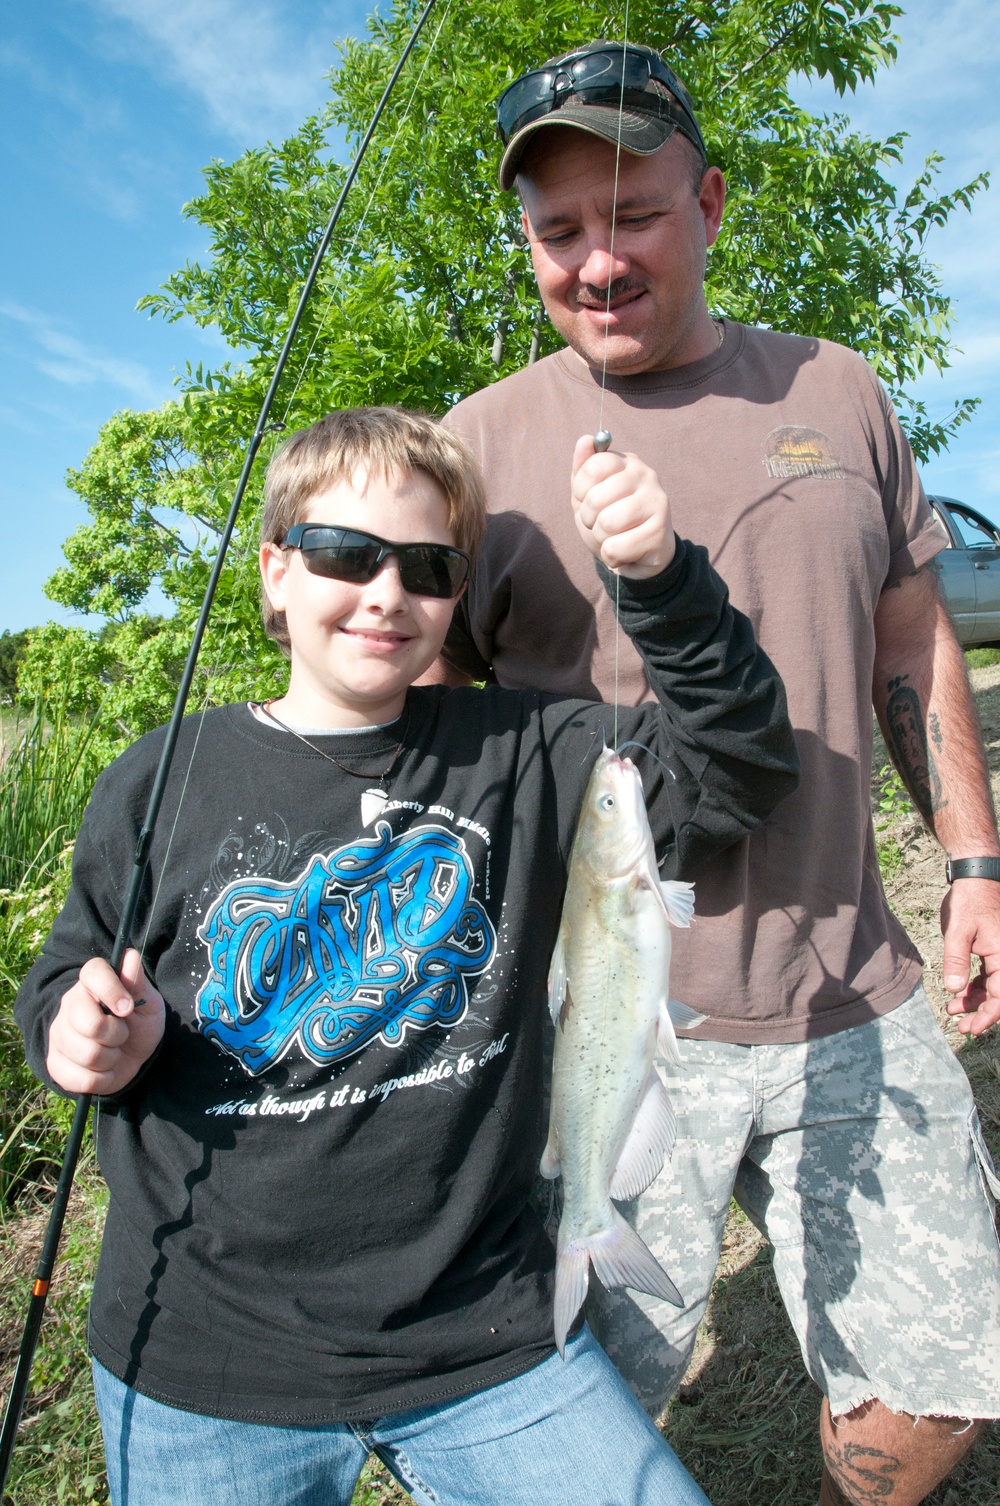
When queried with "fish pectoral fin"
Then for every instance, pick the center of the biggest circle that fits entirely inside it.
(678, 901)
(649, 1143)
(557, 981)
(620, 1258)
(549, 1165)
(666, 1041)
(683, 1017)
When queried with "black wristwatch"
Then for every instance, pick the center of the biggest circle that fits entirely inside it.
(988, 868)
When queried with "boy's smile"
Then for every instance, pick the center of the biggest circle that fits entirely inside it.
(357, 648)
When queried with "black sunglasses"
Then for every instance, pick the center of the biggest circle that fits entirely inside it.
(349, 555)
(616, 76)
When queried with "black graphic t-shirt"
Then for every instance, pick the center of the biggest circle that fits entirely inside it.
(320, 1183)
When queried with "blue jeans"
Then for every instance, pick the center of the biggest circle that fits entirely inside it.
(565, 1431)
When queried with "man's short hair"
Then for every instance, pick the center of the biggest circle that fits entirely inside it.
(385, 441)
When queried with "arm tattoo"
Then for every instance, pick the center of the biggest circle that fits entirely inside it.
(907, 742)
(864, 1476)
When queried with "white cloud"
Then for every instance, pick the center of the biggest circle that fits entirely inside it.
(255, 73)
(77, 365)
(980, 353)
(941, 90)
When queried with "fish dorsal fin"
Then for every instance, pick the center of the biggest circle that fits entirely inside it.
(557, 980)
(678, 901)
(649, 1143)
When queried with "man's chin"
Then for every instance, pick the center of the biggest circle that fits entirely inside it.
(619, 355)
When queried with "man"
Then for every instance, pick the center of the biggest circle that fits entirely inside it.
(820, 1088)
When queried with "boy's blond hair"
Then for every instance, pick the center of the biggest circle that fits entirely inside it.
(385, 441)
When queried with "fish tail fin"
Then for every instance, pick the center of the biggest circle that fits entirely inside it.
(572, 1270)
(622, 1259)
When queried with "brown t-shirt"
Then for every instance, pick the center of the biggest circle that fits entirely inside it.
(784, 457)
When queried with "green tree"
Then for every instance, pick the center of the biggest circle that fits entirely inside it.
(428, 293)
(12, 646)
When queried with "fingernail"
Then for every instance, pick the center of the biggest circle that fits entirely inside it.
(954, 983)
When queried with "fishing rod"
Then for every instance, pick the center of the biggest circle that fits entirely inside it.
(133, 892)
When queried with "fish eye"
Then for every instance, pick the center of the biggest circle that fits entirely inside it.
(607, 802)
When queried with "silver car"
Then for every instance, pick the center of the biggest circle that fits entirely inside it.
(969, 570)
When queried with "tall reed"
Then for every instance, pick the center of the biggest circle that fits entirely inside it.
(47, 768)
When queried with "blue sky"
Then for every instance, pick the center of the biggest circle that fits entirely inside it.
(112, 107)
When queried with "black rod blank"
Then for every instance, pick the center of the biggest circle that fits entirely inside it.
(130, 904)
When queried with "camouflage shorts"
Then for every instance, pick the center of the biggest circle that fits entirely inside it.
(860, 1157)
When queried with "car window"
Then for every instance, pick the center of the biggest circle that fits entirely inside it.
(976, 532)
(939, 513)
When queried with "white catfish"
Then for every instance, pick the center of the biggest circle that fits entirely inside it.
(611, 1123)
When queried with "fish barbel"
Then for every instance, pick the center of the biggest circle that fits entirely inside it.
(611, 1122)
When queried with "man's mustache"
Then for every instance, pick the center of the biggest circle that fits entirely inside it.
(598, 298)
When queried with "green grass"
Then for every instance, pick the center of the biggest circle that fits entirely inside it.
(48, 765)
(59, 1456)
(892, 809)
(982, 658)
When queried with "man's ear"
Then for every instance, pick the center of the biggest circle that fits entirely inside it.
(712, 199)
(273, 574)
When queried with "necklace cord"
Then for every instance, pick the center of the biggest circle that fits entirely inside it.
(265, 706)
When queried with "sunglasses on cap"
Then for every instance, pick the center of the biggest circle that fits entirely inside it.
(348, 554)
(615, 75)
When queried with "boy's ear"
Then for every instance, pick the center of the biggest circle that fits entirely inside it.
(273, 572)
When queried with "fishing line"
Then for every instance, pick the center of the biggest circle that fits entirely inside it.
(602, 438)
(181, 797)
(134, 885)
(601, 431)
(632, 743)
(342, 271)
(288, 407)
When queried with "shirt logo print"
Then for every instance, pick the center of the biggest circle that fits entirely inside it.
(379, 938)
(792, 451)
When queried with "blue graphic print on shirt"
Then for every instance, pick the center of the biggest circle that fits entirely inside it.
(379, 938)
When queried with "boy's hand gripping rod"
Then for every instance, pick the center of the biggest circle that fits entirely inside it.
(130, 904)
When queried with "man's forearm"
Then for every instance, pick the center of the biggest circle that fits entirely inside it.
(928, 717)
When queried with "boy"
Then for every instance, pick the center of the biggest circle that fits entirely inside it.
(320, 1151)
